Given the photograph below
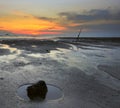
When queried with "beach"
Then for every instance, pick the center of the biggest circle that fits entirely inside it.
(86, 71)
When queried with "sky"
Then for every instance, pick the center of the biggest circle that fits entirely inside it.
(60, 17)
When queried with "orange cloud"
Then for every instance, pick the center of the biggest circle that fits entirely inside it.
(21, 23)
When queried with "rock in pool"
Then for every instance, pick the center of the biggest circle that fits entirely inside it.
(37, 90)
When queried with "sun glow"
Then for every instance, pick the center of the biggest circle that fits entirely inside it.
(21, 23)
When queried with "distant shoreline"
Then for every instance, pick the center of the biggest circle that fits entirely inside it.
(83, 39)
(88, 39)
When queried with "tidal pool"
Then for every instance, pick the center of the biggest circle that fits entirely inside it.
(54, 92)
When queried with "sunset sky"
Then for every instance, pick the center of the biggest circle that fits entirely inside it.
(60, 17)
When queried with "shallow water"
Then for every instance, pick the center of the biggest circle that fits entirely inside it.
(86, 59)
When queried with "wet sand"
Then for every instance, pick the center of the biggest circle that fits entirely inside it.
(87, 72)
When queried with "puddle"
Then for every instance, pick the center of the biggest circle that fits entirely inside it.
(11, 49)
(33, 46)
(54, 92)
(9, 53)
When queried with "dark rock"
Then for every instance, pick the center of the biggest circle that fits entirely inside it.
(47, 51)
(37, 91)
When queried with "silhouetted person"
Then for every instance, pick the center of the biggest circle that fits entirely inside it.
(37, 90)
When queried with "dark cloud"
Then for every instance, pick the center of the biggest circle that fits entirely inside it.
(46, 18)
(74, 16)
(93, 20)
(91, 15)
(99, 12)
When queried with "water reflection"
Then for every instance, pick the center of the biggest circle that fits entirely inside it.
(33, 46)
(13, 53)
(5, 46)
